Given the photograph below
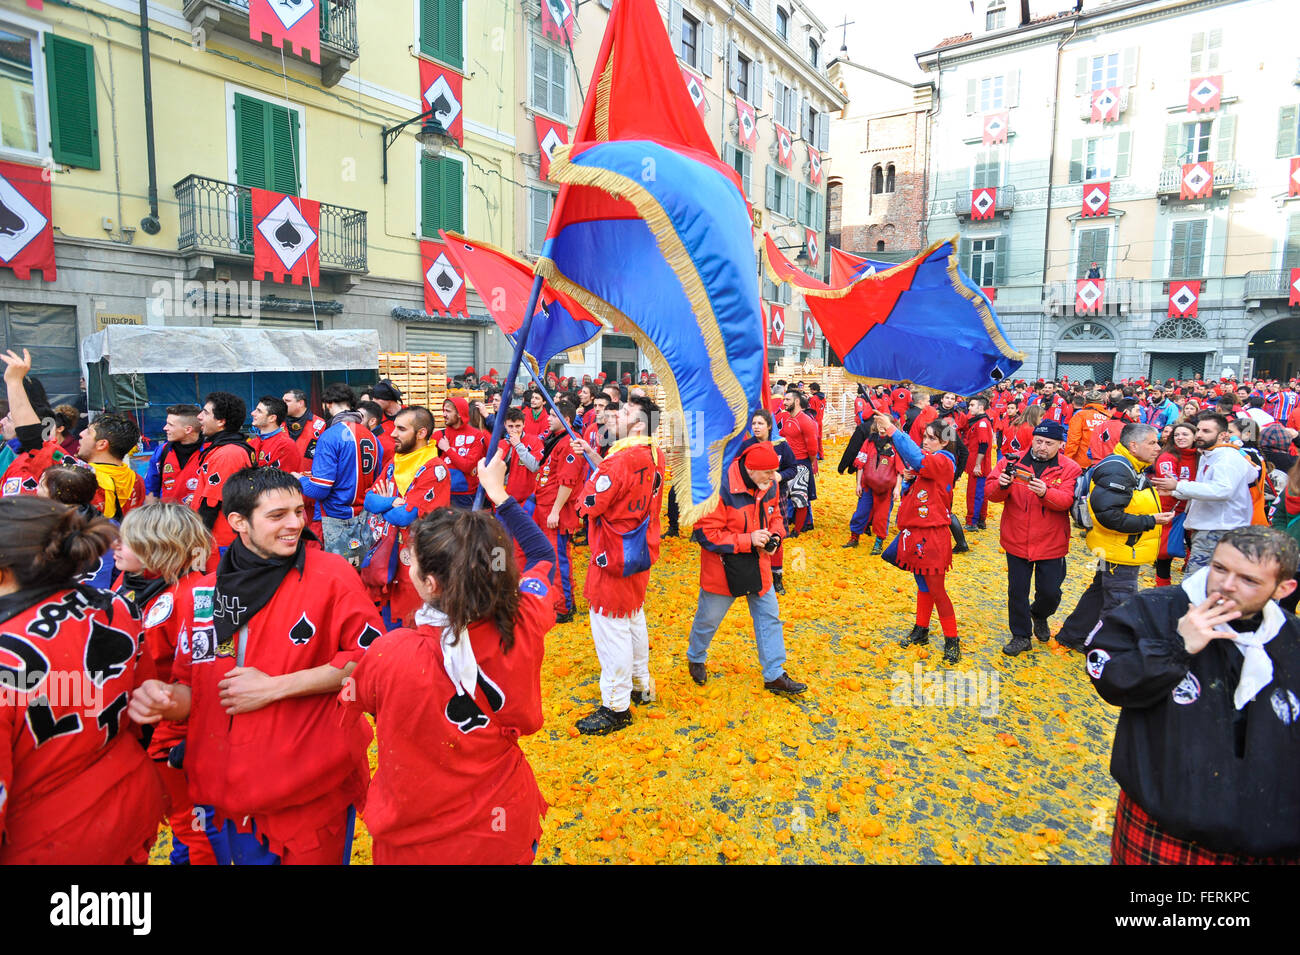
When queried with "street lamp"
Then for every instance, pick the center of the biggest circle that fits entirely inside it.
(432, 136)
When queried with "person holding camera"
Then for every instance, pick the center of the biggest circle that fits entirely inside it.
(1036, 490)
(737, 539)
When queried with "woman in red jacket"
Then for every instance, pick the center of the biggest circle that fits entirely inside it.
(1178, 459)
(452, 697)
(77, 787)
(924, 544)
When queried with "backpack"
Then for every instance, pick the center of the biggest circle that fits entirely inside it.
(1079, 512)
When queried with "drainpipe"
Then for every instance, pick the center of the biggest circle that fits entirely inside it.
(150, 223)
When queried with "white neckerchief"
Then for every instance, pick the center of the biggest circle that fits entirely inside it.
(1257, 665)
(458, 657)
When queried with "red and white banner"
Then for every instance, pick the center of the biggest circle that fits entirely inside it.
(814, 166)
(288, 24)
(557, 20)
(990, 293)
(1293, 181)
(1197, 181)
(1096, 199)
(1204, 93)
(814, 246)
(809, 330)
(1294, 298)
(1105, 105)
(784, 146)
(694, 86)
(1184, 296)
(776, 325)
(444, 286)
(36, 4)
(747, 124)
(995, 128)
(286, 238)
(549, 135)
(984, 203)
(26, 230)
(1088, 295)
(441, 90)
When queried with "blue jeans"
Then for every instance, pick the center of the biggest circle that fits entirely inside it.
(350, 539)
(765, 614)
(248, 848)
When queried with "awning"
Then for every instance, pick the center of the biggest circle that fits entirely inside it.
(172, 349)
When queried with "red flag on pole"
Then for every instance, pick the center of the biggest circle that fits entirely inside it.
(814, 166)
(814, 246)
(1105, 105)
(286, 238)
(845, 267)
(549, 135)
(784, 146)
(747, 124)
(1293, 181)
(26, 232)
(1088, 295)
(984, 203)
(557, 20)
(1184, 296)
(1294, 298)
(1096, 199)
(441, 90)
(1204, 93)
(444, 286)
(1197, 181)
(809, 330)
(995, 128)
(695, 87)
(288, 25)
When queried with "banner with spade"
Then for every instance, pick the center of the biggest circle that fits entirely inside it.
(1096, 200)
(1184, 298)
(814, 166)
(26, 232)
(784, 146)
(286, 238)
(549, 135)
(1204, 94)
(292, 24)
(1105, 105)
(776, 324)
(695, 86)
(441, 89)
(557, 21)
(444, 286)
(809, 330)
(747, 124)
(814, 247)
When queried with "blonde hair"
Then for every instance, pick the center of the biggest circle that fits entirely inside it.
(169, 539)
(1032, 415)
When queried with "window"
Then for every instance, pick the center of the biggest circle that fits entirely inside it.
(268, 155)
(812, 208)
(996, 17)
(783, 24)
(987, 170)
(1288, 131)
(784, 110)
(991, 96)
(1180, 328)
(814, 51)
(18, 131)
(983, 261)
(440, 31)
(889, 178)
(1100, 157)
(1094, 245)
(442, 197)
(550, 92)
(780, 193)
(1187, 249)
(741, 160)
(743, 73)
(689, 51)
(880, 245)
(541, 203)
(1291, 250)
(1196, 141)
(1205, 51)
(877, 181)
(1104, 72)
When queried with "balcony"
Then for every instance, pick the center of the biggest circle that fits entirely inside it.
(1120, 297)
(1085, 103)
(1266, 284)
(216, 221)
(1006, 201)
(338, 30)
(1228, 175)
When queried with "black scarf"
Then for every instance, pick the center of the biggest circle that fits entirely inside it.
(222, 439)
(549, 444)
(184, 452)
(138, 590)
(246, 583)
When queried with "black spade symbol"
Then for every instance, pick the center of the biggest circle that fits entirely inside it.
(558, 7)
(286, 3)
(441, 105)
(107, 653)
(444, 281)
(287, 235)
(11, 223)
(302, 631)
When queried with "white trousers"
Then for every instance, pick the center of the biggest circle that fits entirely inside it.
(623, 648)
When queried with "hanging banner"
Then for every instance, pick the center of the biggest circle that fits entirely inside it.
(441, 89)
(747, 124)
(1088, 295)
(1184, 296)
(814, 247)
(995, 128)
(1295, 288)
(549, 135)
(1204, 93)
(984, 203)
(26, 232)
(1293, 181)
(286, 238)
(809, 330)
(444, 286)
(814, 166)
(295, 26)
(1197, 181)
(776, 324)
(1096, 199)
(557, 21)
(784, 146)
(1105, 105)
(695, 87)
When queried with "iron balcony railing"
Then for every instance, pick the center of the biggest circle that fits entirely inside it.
(217, 217)
(1225, 177)
(1005, 202)
(1268, 283)
(338, 23)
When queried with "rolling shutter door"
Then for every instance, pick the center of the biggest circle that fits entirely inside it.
(458, 345)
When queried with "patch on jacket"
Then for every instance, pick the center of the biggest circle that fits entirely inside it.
(1285, 705)
(1188, 690)
(1097, 662)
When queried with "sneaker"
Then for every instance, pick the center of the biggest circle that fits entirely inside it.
(604, 721)
(786, 685)
(778, 584)
(643, 697)
(1017, 645)
(877, 547)
(951, 649)
(918, 635)
(1041, 630)
(566, 617)
(982, 525)
(971, 527)
(853, 542)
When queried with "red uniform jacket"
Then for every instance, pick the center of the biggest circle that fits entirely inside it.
(727, 529)
(1035, 528)
(290, 766)
(917, 431)
(563, 467)
(800, 432)
(1105, 438)
(536, 426)
(452, 785)
(176, 484)
(78, 788)
(305, 433)
(216, 466)
(900, 399)
(24, 472)
(623, 492)
(817, 405)
(519, 480)
(278, 450)
(979, 431)
(928, 501)
(429, 489)
(466, 446)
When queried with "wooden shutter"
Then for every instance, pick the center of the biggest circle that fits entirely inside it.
(430, 195)
(559, 84)
(1123, 153)
(539, 215)
(1129, 66)
(824, 134)
(1198, 44)
(1287, 119)
(1011, 89)
(449, 26)
(430, 35)
(963, 255)
(1173, 143)
(1076, 160)
(733, 65)
(756, 84)
(804, 212)
(771, 198)
(284, 163)
(250, 142)
(541, 77)
(1081, 83)
(74, 119)
(706, 48)
(674, 24)
(1000, 256)
(1291, 251)
(747, 164)
(453, 196)
(819, 204)
(1213, 42)
(788, 200)
(972, 89)
(1225, 131)
(1196, 247)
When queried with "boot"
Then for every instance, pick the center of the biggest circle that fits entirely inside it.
(951, 649)
(916, 637)
(878, 546)
(958, 535)
(778, 584)
(853, 541)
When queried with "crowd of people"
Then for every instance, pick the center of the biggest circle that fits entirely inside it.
(260, 590)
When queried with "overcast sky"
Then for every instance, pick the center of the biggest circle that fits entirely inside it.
(886, 36)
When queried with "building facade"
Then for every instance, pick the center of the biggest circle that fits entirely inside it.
(1183, 116)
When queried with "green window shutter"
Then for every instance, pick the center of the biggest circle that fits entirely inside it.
(74, 119)
(1000, 256)
(1081, 78)
(970, 96)
(1173, 143)
(1291, 252)
(1287, 119)
(430, 34)
(1076, 160)
(449, 21)
(803, 216)
(284, 161)
(559, 84)
(453, 200)
(770, 198)
(430, 196)
(963, 255)
(1123, 150)
(748, 162)
(788, 201)
(1225, 132)
(250, 141)
(1178, 251)
(541, 81)
(1196, 248)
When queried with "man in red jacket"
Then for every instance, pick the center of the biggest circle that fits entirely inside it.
(464, 446)
(555, 508)
(1037, 489)
(978, 436)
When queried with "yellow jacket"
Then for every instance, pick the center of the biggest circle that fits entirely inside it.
(1127, 540)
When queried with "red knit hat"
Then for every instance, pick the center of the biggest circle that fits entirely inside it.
(469, 371)
(761, 457)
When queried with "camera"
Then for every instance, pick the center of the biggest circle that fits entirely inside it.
(772, 544)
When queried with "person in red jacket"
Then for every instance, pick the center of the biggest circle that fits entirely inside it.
(979, 438)
(76, 787)
(1178, 459)
(924, 544)
(555, 507)
(1106, 436)
(224, 453)
(464, 446)
(452, 696)
(873, 457)
(274, 634)
(303, 426)
(523, 456)
(817, 405)
(799, 428)
(900, 399)
(536, 421)
(621, 502)
(1036, 490)
(736, 541)
(271, 444)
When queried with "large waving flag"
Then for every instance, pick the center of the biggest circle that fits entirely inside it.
(503, 282)
(922, 321)
(652, 233)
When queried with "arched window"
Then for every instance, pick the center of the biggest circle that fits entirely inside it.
(880, 245)
(783, 24)
(877, 180)
(996, 17)
(1087, 332)
(1181, 328)
(889, 178)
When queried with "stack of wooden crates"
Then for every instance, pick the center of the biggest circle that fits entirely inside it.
(838, 389)
(421, 378)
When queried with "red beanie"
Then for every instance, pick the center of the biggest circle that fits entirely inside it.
(469, 370)
(761, 457)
